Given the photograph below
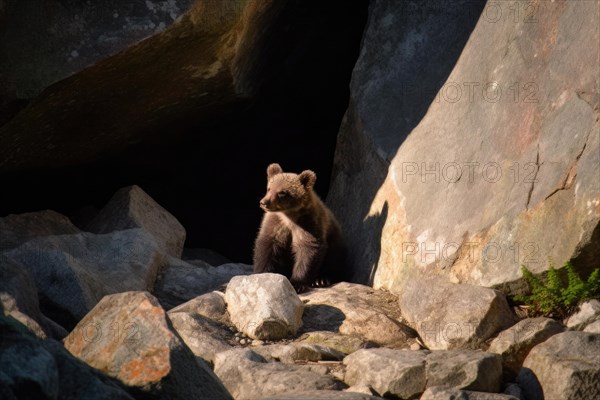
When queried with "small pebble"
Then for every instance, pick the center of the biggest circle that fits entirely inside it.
(243, 341)
(257, 342)
(415, 346)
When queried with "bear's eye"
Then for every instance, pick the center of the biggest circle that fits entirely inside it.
(282, 195)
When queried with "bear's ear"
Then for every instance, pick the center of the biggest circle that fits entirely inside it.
(308, 178)
(273, 169)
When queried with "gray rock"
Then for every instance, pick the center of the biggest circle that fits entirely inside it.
(449, 315)
(398, 373)
(464, 369)
(130, 208)
(512, 389)
(343, 343)
(247, 375)
(203, 336)
(322, 395)
(358, 310)
(566, 367)
(515, 343)
(293, 352)
(181, 281)
(210, 305)
(73, 272)
(264, 306)
(518, 156)
(129, 336)
(443, 393)
(208, 256)
(18, 296)
(16, 229)
(594, 327)
(588, 312)
(36, 369)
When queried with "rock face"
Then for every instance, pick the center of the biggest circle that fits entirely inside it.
(181, 281)
(73, 272)
(132, 208)
(248, 376)
(128, 337)
(34, 369)
(566, 366)
(449, 315)
(357, 310)
(264, 306)
(94, 32)
(515, 343)
(17, 229)
(476, 195)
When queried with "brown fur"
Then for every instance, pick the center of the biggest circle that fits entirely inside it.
(299, 237)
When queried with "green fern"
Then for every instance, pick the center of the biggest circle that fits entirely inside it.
(561, 292)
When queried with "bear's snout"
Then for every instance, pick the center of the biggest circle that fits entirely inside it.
(265, 203)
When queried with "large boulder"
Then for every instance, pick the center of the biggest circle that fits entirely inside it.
(488, 154)
(129, 337)
(358, 310)
(131, 208)
(449, 315)
(566, 366)
(247, 376)
(35, 369)
(16, 229)
(588, 312)
(264, 306)
(322, 395)
(73, 272)
(516, 342)
(181, 281)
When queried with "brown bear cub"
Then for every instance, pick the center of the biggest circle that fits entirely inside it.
(299, 237)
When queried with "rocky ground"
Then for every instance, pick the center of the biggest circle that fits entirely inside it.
(109, 310)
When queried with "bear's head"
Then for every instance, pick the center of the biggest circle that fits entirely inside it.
(287, 191)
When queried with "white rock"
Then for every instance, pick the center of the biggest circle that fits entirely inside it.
(589, 311)
(264, 306)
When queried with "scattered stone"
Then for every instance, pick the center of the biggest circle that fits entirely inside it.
(17, 229)
(264, 306)
(588, 313)
(128, 337)
(180, 281)
(73, 272)
(257, 342)
(293, 352)
(444, 393)
(208, 256)
(247, 375)
(210, 305)
(594, 327)
(203, 336)
(398, 373)
(465, 369)
(242, 341)
(343, 343)
(415, 346)
(358, 310)
(35, 369)
(129, 208)
(323, 395)
(566, 367)
(515, 343)
(364, 389)
(449, 315)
